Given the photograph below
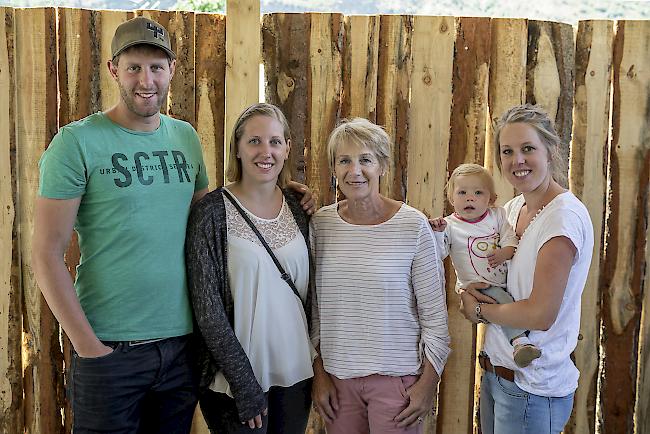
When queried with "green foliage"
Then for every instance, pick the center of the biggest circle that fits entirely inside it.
(201, 5)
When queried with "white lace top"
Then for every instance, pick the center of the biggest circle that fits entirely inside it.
(269, 319)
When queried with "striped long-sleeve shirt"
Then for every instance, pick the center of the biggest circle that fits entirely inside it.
(380, 301)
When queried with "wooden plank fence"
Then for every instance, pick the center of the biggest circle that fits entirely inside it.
(436, 84)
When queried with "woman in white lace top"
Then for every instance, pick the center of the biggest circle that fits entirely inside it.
(256, 367)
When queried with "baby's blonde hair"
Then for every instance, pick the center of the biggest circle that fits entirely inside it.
(469, 169)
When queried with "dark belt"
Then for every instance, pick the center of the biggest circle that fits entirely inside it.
(499, 371)
(133, 343)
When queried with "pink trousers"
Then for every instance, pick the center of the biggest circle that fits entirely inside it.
(370, 405)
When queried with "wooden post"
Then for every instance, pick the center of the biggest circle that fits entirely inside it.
(507, 87)
(286, 64)
(466, 144)
(36, 122)
(471, 77)
(625, 243)
(588, 181)
(549, 80)
(210, 92)
(243, 48)
(324, 87)
(642, 406)
(361, 50)
(393, 86)
(430, 111)
(106, 22)
(180, 25)
(11, 380)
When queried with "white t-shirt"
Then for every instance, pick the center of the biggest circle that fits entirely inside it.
(380, 300)
(270, 321)
(470, 243)
(553, 374)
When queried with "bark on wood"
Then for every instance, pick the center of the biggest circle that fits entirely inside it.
(324, 88)
(393, 87)
(588, 180)
(211, 92)
(550, 80)
(286, 64)
(11, 381)
(467, 144)
(36, 116)
(625, 244)
(360, 62)
(642, 406)
(507, 87)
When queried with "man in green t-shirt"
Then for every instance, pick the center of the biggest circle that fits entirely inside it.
(124, 179)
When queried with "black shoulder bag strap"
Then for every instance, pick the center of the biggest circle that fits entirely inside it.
(285, 276)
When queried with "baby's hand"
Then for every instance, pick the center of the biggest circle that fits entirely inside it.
(499, 256)
(438, 224)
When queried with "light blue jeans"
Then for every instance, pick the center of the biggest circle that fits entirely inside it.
(505, 408)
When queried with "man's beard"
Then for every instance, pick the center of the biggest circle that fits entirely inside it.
(129, 100)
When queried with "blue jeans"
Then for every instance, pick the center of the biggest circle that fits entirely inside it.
(505, 408)
(145, 388)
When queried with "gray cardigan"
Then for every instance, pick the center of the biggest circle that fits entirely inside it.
(217, 347)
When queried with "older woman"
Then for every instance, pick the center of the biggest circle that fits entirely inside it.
(546, 277)
(256, 355)
(380, 317)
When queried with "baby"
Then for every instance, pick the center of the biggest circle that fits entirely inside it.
(479, 239)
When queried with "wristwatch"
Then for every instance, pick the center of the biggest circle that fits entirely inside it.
(479, 316)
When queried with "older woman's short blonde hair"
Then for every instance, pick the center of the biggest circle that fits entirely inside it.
(537, 118)
(234, 171)
(360, 132)
(469, 169)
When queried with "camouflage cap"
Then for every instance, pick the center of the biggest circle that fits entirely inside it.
(140, 30)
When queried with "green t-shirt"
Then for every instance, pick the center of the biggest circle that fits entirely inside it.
(135, 189)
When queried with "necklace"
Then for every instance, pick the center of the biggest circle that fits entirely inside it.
(534, 218)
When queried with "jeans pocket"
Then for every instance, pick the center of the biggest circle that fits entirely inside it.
(116, 346)
(510, 388)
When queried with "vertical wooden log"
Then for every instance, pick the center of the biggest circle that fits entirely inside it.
(243, 49)
(211, 92)
(642, 405)
(78, 68)
(429, 132)
(324, 87)
(588, 181)
(625, 245)
(79, 76)
(286, 62)
(470, 98)
(360, 62)
(181, 91)
(106, 90)
(550, 79)
(466, 144)
(430, 111)
(507, 87)
(180, 25)
(36, 121)
(11, 380)
(393, 85)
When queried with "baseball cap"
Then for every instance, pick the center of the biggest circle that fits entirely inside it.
(140, 30)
